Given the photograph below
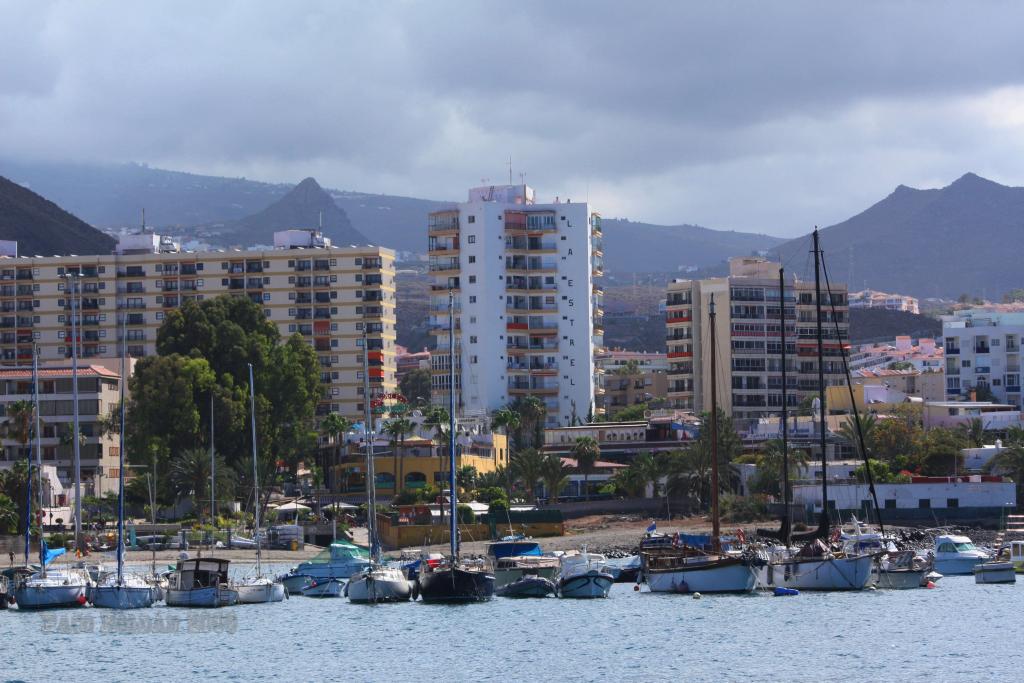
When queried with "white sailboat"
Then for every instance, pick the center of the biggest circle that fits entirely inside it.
(118, 590)
(258, 588)
(45, 589)
(376, 583)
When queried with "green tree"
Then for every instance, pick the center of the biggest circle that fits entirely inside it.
(20, 417)
(938, 452)
(398, 428)
(868, 424)
(415, 386)
(438, 418)
(630, 481)
(14, 485)
(465, 477)
(770, 468)
(1014, 296)
(895, 439)
(881, 473)
(190, 476)
(1010, 462)
(586, 451)
(973, 432)
(532, 415)
(555, 475)
(8, 515)
(633, 413)
(528, 467)
(334, 426)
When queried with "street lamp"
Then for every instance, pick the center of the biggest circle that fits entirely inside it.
(73, 281)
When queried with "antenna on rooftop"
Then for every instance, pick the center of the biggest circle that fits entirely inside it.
(143, 219)
(510, 169)
(321, 220)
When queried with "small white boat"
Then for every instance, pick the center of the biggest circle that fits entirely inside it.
(340, 561)
(907, 569)
(131, 592)
(200, 583)
(324, 588)
(379, 584)
(258, 589)
(584, 575)
(957, 555)
(998, 571)
(53, 588)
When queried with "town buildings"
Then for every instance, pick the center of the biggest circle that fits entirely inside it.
(982, 350)
(748, 336)
(527, 308)
(869, 298)
(632, 378)
(329, 295)
(902, 352)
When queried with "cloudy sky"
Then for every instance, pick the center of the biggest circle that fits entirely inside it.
(729, 115)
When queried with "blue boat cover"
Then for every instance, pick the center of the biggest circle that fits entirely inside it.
(513, 548)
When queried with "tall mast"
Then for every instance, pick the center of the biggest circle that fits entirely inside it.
(823, 525)
(120, 461)
(715, 530)
(255, 473)
(213, 470)
(787, 525)
(39, 468)
(453, 521)
(75, 308)
(371, 469)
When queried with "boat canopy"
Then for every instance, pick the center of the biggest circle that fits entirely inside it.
(341, 551)
(502, 549)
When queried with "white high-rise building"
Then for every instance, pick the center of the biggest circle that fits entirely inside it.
(983, 354)
(527, 309)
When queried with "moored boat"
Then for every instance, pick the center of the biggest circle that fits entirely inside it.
(529, 586)
(125, 592)
(379, 584)
(906, 569)
(584, 575)
(995, 571)
(816, 568)
(48, 589)
(683, 570)
(200, 583)
(340, 561)
(258, 589)
(957, 555)
(324, 588)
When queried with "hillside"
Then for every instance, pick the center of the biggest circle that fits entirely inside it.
(305, 206)
(872, 324)
(962, 238)
(41, 227)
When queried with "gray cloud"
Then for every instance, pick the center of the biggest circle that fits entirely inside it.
(734, 115)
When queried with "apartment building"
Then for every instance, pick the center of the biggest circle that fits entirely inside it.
(330, 295)
(632, 378)
(870, 298)
(98, 393)
(748, 337)
(982, 350)
(527, 309)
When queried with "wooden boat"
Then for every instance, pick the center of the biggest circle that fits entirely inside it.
(200, 583)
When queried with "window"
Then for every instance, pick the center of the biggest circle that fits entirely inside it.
(952, 502)
(472, 259)
(471, 219)
(472, 340)
(472, 298)
(924, 503)
(472, 360)
(471, 239)
(472, 279)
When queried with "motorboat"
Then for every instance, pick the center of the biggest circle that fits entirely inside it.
(340, 561)
(906, 569)
(379, 584)
(527, 586)
(957, 555)
(584, 575)
(511, 568)
(995, 571)
(324, 588)
(690, 570)
(258, 589)
(51, 588)
(456, 580)
(125, 592)
(815, 567)
(200, 583)
(1016, 549)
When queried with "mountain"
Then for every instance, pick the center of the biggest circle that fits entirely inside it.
(631, 247)
(41, 227)
(927, 243)
(305, 206)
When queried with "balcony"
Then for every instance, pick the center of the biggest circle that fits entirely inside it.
(254, 267)
(236, 268)
(25, 274)
(981, 349)
(236, 283)
(321, 265)
(952, 350)
(188, 269)
(131, 271)
(438, 224)
(982, 370)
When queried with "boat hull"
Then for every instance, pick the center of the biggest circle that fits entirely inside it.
(590, 584)
(732, 577)
(368, 588)
(49, 597)
(957, 566)
(528, 587)
(828, 574)
(202, 597)
(995, 572)
(902, 580)
(257, 593)
(505, 576)
(122, 597)
(455, 585)
(330, 588)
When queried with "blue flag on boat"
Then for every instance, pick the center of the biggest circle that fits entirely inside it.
(652, 528)
(51, 555)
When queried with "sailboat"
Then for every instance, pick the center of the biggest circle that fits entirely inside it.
(669, 569)
(258, 588)
(376, 583)
(454, 580)
(118, 590)
(45, 588)
(814, 566)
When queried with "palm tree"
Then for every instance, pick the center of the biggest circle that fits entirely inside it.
(532, 414)
(1010, 461)
(190, 475)
(466, 477)
(528, 465)
(509, 421)
(848, 431)
(8, 514)
(631, 480)
(439, 419)
(586, 451)
(974, 432)
(555, 475)
(397, 429)
(334, 425)
(769, 466)
(649, 470)
(19, 421)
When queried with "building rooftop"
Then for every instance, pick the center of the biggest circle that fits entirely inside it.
(58, 372)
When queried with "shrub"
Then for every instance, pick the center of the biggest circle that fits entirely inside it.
(466, 514)
(743, 508)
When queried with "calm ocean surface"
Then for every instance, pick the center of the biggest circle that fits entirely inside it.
(956, 632)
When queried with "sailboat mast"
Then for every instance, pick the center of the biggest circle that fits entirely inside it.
(715, 524)
(255, 473)
(453, 521)
(787, 494)
(371, 469)
(213, 470)
(823, 525)
(39, 468)
(76, 438)
(120, 460)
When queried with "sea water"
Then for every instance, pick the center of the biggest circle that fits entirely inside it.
(958, 631)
